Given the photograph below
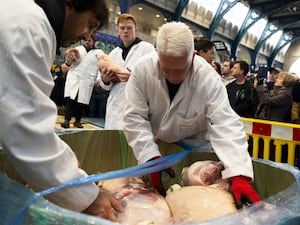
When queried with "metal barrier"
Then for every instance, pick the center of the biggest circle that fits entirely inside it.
(264, 136)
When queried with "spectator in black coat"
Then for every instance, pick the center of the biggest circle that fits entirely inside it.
(242, 95)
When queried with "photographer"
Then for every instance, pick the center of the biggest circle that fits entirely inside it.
(259, 85)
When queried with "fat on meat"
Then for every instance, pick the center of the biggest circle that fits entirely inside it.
(199, 203)
(205, 173)
(143, 205)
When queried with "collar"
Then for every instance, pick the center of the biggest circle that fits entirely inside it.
(125, 50)
(136, 40)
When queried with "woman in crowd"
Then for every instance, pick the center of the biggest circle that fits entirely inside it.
(276, 104)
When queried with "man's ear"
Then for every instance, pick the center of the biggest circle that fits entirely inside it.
(193, 56)
(201, 52)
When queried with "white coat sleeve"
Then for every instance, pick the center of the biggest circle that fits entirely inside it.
(226, 131)
(28, 115)
(137, 126)
(106, 87)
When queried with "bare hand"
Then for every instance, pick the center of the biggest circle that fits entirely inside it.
(105, 206)
(111, 71)
(108, 75)
(121, 77)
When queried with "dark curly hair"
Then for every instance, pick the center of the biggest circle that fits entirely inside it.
(98, 7)
(202, 43)
(243, 66)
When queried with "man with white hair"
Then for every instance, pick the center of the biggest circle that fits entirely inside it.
(176, 96)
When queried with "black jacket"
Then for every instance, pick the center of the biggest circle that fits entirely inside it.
(243, 98)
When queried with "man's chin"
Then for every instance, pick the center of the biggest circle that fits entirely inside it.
(175, 81)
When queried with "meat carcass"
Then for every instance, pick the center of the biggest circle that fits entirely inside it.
(198, 203)
(205, 173)
(142, 204)
(107, 64)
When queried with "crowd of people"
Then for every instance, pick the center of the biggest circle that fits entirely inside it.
(273, 97)
(269, 98)
(171, 92)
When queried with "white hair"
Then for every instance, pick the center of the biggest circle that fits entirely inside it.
(175, 39)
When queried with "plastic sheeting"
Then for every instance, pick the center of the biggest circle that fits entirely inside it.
(278, 184)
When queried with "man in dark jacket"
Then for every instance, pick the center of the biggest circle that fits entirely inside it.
(242, 96)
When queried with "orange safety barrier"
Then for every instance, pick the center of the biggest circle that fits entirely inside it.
(264, 136)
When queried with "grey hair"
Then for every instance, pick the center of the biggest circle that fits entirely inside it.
(175, 39)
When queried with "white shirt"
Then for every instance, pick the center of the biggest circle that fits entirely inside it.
(228, 80)
(27, 114)
(199, 108)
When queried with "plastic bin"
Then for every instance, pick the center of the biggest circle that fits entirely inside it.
(103, 151)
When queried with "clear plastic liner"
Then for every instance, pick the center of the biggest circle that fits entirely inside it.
(260, 214)
(290, 197)
(19, 205)
(14, 202)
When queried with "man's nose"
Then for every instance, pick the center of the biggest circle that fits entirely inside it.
(86, 36)
(173, 73)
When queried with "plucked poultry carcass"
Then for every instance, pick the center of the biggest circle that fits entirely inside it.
(204, 196)
(205, 173)
(142, 204)
(106, 64)
(198, 203)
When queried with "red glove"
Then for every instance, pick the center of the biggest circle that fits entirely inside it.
(156, 178)
(243, 192)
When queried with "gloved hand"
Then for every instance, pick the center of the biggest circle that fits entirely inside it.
(156, 178)
(243, 192)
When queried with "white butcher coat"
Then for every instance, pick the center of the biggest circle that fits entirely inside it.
(81, 77)
(27, 114)
(115, 101)
(199, 108)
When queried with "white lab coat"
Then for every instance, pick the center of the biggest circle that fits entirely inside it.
(81, 76)
(115, 101)
(27, 114)
(200, 107)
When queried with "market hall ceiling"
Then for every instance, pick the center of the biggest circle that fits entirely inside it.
(282, 13)
(285, 14)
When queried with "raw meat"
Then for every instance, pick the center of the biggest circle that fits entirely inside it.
(107, 64)
(142, 204)
(205, 173)
(198, 203)
(205, 199)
